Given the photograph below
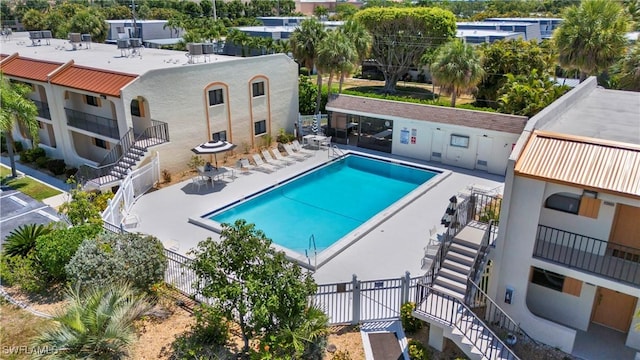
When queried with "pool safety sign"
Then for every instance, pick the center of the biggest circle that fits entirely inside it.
(405, 138)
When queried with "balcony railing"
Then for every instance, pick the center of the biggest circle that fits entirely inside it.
(93, 123)
(43, 109)
(588, 254)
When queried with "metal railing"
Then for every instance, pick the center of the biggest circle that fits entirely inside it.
(452, 312)
(481, 256)
(93, 123)
(588, 254)
(43, 109)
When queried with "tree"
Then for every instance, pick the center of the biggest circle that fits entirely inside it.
(98, 324)
(528, 94)
(361, 40)
(336, 54)
(457, 67)
(307, 93)
(592, 36)
(16, 108)
(517, 57)
(630, 70)
(81, 208)
(402, 35)
(345, 11)
(304, 45)
(22, 241)
(111, 258)
(251, 282)
(320, 12)
(33, 20)
(90, 22)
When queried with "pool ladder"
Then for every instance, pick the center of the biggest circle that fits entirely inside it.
(312, 242)
(335, 152)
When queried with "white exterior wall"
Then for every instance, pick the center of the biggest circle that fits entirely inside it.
(496, 156)
(178, 96)
(573, 311)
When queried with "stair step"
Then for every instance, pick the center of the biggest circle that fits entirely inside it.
(462, 269)
(463, 259)
(447, 291)
(453, 275)
(458, 287)
(136, 151)
(463, 249)
(467, 244)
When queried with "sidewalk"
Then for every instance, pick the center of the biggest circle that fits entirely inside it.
(49, 180)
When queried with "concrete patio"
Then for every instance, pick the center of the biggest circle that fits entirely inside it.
(392, 247)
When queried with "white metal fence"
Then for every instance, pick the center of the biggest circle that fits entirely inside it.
(134, 185)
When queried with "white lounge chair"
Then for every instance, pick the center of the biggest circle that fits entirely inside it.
(297, 147)
(245, 166)
(266, 154)
(326, 143)
(281, 158)
(261, 165)
(292, 154)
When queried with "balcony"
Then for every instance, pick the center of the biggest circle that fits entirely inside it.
(43, 109)
(93, 123)
(603, 258)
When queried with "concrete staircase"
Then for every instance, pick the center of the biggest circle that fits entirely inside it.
(452, 277)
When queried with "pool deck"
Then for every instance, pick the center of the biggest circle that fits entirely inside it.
(387, 251)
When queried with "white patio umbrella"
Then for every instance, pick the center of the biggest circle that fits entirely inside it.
(213, 147)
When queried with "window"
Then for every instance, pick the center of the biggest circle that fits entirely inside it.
(92, 100)
(556, 281)
(215, 97)
(101, 143)
(135, 108)
(258, 89)
(565, 202)
(220, 136)
(260, 127)
(459, 141)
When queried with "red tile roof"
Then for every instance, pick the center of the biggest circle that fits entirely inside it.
(93, 80)
(461, 117)
(28, 68)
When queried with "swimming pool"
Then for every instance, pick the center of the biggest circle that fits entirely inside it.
(314, 210)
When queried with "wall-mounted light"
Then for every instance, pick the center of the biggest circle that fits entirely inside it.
(590, 194)
(437, 128)
(484, 136)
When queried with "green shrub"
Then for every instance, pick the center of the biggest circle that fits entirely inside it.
(55, 249)
(101, 200)
(56, 166)
(166, 175)
(69, 172)
(195, 161)
(303, 71)
(24, 272)
(17, 146)
(206, 338)
(42, 162)
(284, 137)
(37, 152)
(417, 351)
(25, 156)
(113, 258)
(409, 323)
(21, 241)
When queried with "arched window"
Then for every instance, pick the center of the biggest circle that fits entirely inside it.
(565, 202)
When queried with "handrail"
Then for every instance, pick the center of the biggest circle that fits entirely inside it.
(480, 254)
(336, 151)
(43, 109)
(604, 258)
(312, 241)
(453, 312)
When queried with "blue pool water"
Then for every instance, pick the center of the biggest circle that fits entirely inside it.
(328, 202)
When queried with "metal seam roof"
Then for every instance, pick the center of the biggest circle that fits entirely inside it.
(589, 163)
(27, 68)
(93, 80)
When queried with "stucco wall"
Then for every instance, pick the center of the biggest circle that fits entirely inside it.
(566, 309)
(427, 133)
(178, 96)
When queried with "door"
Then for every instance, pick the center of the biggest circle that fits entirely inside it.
(437, 139)
(613, 309)
(484, 153)
(626, 231)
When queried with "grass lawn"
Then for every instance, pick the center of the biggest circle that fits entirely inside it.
(27, 186)
(17, 328)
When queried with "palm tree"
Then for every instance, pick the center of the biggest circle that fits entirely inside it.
(361, 39)
(16, 108)
(97, 324)
(592, 36)
(630, 70)
(22, 240)
(304, 45)
(336, 53)
(457, 67)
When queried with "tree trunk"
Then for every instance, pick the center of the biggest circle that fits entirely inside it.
(454, 94)
(583, 76)
(329, 83)
(341, 82)
(319, 98)
(9, 141)
(390, 82)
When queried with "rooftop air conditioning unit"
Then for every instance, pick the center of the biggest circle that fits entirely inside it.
(123, 43)
(194, 49)
(208, 48)
(46, 34)
(75, 37)
(135, 42)
(35, 35)
(85, 37)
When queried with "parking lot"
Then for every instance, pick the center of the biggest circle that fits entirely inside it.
(17, 209)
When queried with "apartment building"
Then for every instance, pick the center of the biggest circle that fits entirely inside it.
(567, 262)
(106, 105)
